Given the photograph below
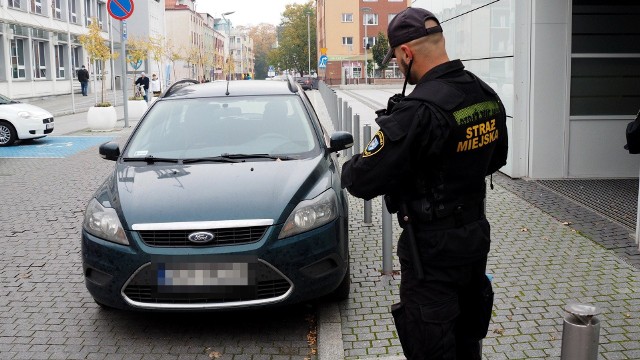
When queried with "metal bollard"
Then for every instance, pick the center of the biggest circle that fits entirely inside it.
(345, 114)
(356, 133)
(339, 120)
(580, 333)
(366, 134)
(387, 256)
(349, 129)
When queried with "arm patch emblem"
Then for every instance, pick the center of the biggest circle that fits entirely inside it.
(375, 145)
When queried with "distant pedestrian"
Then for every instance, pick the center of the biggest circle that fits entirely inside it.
(144, 81)
(83, 77)
(155, 85)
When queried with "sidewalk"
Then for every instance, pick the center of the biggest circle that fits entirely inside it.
(540, 264)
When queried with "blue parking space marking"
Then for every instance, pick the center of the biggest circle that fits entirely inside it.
(52, 146)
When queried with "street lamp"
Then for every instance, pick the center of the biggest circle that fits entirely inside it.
(365, 10)
(309, 39)
(228, 40)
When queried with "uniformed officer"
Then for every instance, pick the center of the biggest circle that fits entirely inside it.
(430, 159)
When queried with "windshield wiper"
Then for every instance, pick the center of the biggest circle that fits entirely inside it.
(151, 159)
(222, 159)
(257, 156)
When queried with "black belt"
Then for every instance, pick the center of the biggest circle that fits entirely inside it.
(461, 215)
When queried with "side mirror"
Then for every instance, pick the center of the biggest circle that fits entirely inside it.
(340, 140)
(110, 151)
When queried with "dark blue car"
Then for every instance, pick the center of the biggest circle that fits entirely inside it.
(226, 195)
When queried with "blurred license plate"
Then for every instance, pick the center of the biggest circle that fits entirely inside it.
(203, 274)
(49, 126)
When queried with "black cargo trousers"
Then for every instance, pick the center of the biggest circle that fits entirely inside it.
(447, 313)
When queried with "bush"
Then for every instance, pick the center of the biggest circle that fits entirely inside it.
(136, 98)
(103, 104)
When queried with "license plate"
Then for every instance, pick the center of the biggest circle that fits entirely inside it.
(49, 126)
(203, 274)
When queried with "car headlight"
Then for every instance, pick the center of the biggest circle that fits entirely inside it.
(310, 214)
(104, 223)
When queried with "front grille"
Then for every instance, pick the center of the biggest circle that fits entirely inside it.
(47, 120)
(267, 284)
(180, 238)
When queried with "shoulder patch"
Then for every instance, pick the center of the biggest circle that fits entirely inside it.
(375, 145)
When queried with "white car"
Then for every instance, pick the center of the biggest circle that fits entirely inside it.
(20, 121)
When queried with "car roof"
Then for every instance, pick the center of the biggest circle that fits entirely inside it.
(187, 89)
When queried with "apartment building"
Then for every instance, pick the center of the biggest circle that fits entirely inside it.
(39, 47)
(193, 35)
(344, 28)
(241, 53)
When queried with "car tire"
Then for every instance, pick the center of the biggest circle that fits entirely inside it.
(342, 291)
(7, 134)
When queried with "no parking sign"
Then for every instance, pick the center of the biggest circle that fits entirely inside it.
(120, 9)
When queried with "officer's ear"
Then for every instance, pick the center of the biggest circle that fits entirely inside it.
(406, 53)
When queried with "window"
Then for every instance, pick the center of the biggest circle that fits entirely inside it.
(87, 12)
(347, 40)
(56, 9)
(371, 19)
(36, 6)
(73, 18)
(347, 17)
(39, 59)
(59, 53)
(371, 40)
(76, 60)
(390, 17)
(100, 13)
(17, 59)
(14, 4)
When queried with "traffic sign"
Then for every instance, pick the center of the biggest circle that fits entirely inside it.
(323, 61)
(120, 9)
(124, 29)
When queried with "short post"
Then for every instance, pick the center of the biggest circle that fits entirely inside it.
(356, 134)
(345, 115)
(366, 134)
(349, 129)
(387, 256)
(580, 333)
(338, 125)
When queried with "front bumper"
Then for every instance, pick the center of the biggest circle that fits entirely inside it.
(285, 271)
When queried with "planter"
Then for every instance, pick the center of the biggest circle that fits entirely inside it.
(102, 118)
(136, 109)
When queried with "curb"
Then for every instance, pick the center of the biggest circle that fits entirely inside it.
(330, 346)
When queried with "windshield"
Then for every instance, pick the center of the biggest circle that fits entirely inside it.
(212, 127)
(5, 100)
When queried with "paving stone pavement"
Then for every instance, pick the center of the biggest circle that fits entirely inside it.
(540, 263)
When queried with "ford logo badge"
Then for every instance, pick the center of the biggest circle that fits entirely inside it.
(201, 237)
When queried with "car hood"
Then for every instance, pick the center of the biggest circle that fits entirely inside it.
(160, 193)
(17, 107)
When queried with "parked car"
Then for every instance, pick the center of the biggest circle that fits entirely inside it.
(20, 121)
(306, 82)
(226, 195)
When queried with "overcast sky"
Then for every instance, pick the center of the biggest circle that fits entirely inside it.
(247, 12)
(254, 12)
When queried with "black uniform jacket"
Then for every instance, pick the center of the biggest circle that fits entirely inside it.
(412, 138)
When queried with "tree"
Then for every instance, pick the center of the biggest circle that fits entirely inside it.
(293, 52)
(137, 52)
(264, 38)
(98, 50)
(380, 50)
(173, 53)
(157, 45)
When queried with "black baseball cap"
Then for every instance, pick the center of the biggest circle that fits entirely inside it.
(409, 25)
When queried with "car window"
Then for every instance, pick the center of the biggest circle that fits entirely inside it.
(207, 127)
(4, 100)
